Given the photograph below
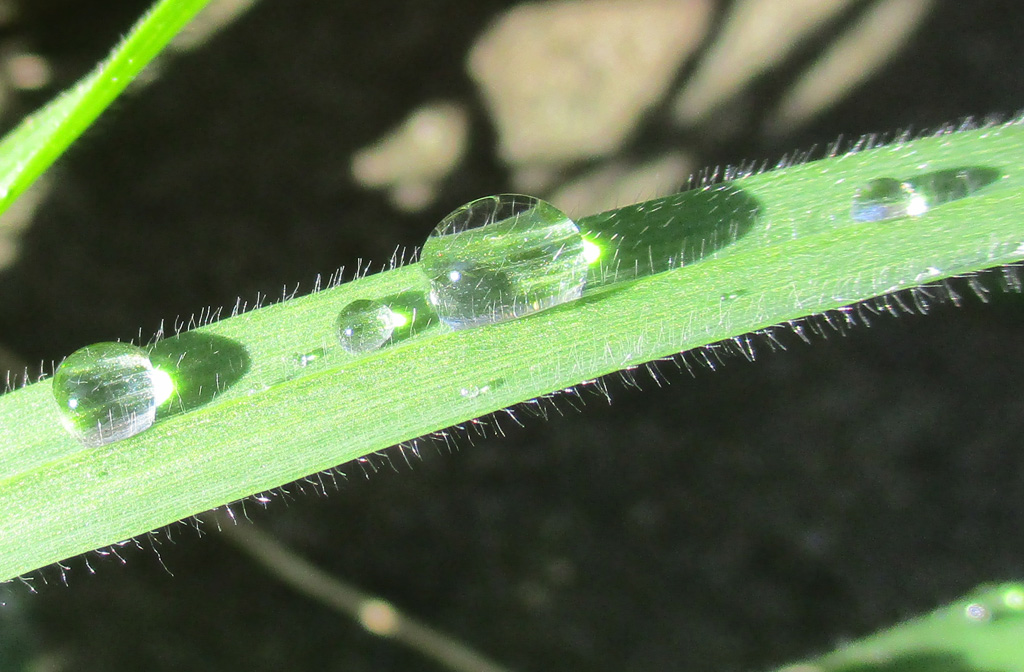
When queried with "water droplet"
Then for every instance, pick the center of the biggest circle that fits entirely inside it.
(732, 296)
(109, 391)
(366, 324)
(886, 198)
(889, 198)
(503, 257)
(307, 358)
(473, 391)
(977, 612)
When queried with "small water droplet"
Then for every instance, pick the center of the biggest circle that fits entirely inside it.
(307, 358)
(503, 257)
(886, 198)
(366, 324)
(473, 391)
(732, 296)
(977, 612)
(109, 391)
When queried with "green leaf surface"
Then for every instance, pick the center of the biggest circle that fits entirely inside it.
(759, 251)
(36, 143)
(983, 632)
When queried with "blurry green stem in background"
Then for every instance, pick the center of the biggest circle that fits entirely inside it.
(37, 141)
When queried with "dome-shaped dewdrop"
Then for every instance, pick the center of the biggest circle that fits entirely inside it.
(366, 324)
(109, 391)
(503, 257)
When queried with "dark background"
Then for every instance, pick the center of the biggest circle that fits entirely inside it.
(732, 520)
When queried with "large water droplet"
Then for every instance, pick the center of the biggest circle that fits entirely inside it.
(365, 325)
(109, 391)
(503, 257)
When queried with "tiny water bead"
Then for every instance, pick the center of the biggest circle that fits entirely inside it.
(733, 295)
(474, 391)
(109, 391)
(307, 358)
(503, 257)
(977, 612)
(366, 324)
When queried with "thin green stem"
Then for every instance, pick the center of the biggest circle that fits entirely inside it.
(38, 140)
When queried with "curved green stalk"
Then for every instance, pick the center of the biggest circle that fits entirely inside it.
(256, 410)
(981, 631)
(36, 143)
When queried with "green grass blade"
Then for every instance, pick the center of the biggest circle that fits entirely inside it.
(791, 250)
(981, 632)
(36, 143)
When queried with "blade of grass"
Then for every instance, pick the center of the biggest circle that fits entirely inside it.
(982, 631)
(36, 143)
(277, 421)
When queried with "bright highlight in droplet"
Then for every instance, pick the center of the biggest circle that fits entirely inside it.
(398, 320)
(591, 252)
(1014, 599)
(917, 205)
(163, 385)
